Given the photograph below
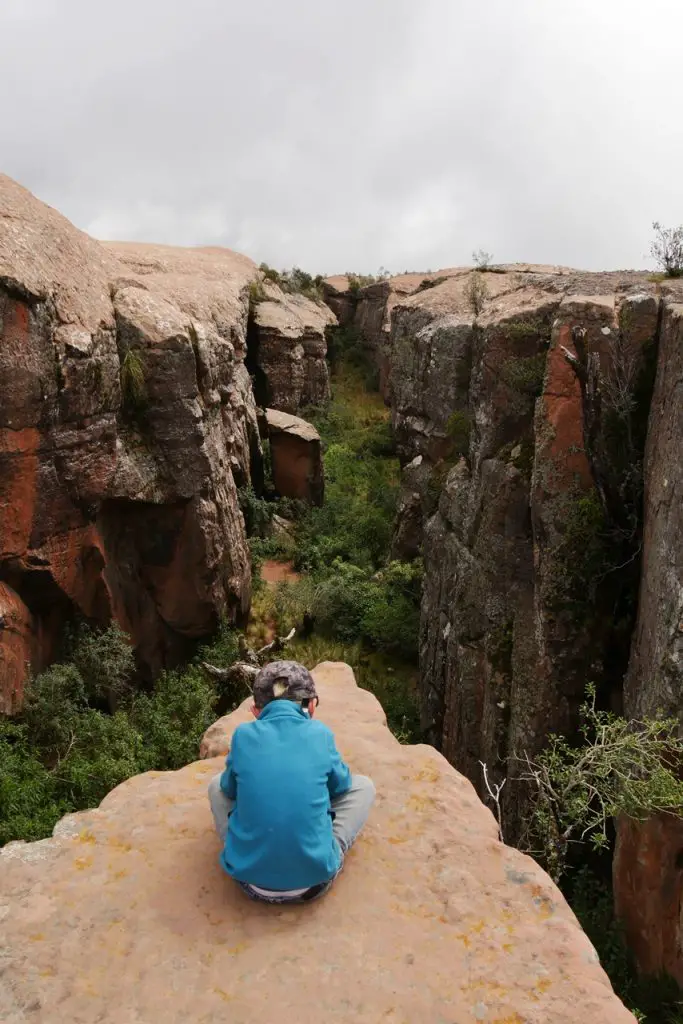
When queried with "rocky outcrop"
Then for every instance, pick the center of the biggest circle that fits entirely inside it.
(367, 309)
(484, 397)
(126, 421)
(431, 919)
(648, 868)
(296, 457)
(287, 349)
(341, 298)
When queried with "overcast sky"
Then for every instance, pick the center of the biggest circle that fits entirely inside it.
(395, 133)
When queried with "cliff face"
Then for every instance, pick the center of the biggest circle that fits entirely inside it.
(126, 421)
(648, 872)
(488, 412)
(287, 349)
(432, 919)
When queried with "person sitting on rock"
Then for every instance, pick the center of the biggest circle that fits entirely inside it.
(287, 809)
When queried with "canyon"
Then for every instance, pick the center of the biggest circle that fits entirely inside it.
(538, 417)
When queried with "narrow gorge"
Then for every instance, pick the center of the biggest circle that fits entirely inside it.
(477, 475)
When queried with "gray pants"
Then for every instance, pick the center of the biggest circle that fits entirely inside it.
(351, 810)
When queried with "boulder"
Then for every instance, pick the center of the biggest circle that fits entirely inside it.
(126, 424)
(296, 456)
(125, 915)
(288, 348)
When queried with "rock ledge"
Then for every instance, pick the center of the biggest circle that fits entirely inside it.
(125, 916)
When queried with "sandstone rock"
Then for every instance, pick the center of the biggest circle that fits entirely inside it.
(296, 456)
(287, 350)
(340, 298)
(648, 882)
(17, 642)
(113, 503)
(493, 410)
(125, 915)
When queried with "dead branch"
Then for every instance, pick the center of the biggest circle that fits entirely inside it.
(246, 669)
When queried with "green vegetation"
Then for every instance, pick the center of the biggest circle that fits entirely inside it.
(294, 281)
(68, 748)
(525, 374)
(476, 293)
(481, 259)
(458, 429)
(426, 284)
(581, 558)
(667, 249)
(86, 727)
(133, 386)
(618, 768)
(358, 281)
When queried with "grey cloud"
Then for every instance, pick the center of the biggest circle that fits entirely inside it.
(378, 132)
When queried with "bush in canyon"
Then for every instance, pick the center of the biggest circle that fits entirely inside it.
(66, 751)
(619, 768)
(133, 385)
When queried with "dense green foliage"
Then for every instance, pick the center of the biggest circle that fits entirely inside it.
(67, 749)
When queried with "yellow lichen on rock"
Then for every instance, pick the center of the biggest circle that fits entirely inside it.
(445, 925)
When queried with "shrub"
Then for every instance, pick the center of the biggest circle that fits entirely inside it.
(667, 249)
(428, 283)
(525, 374)
(258, 513)
(621, 768)
(481, 259)
(458, 429)
(257, 293)
(106, 662)
(476, 293)
(133, 385)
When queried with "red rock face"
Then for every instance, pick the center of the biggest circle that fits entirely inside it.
(111, 507)
(509, 638)
(648, 892)
(17, 646)
(296, 456)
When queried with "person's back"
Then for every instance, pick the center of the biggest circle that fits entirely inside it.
(286, 800)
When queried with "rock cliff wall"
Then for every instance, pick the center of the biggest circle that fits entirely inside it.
(521, 489)
(489, 419)
(126, 914)
(126, 421)
(287, 349)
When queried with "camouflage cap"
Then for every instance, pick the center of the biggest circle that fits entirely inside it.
(283, 680)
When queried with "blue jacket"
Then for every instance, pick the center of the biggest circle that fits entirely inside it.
(282, 770)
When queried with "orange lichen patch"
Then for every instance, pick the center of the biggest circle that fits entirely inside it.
(563, 411)
(18, 472)
(17, 648)
(81, 863)
(86, 836)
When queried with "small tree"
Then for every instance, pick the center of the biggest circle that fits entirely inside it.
(482, 259)
(667, 249)
(476, 293)
(622, 768)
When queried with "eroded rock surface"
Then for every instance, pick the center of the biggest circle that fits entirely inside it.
(125, 915)
(287, 350)
(126, 421)
(648, 872)
(489, 420)
(296, 456)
